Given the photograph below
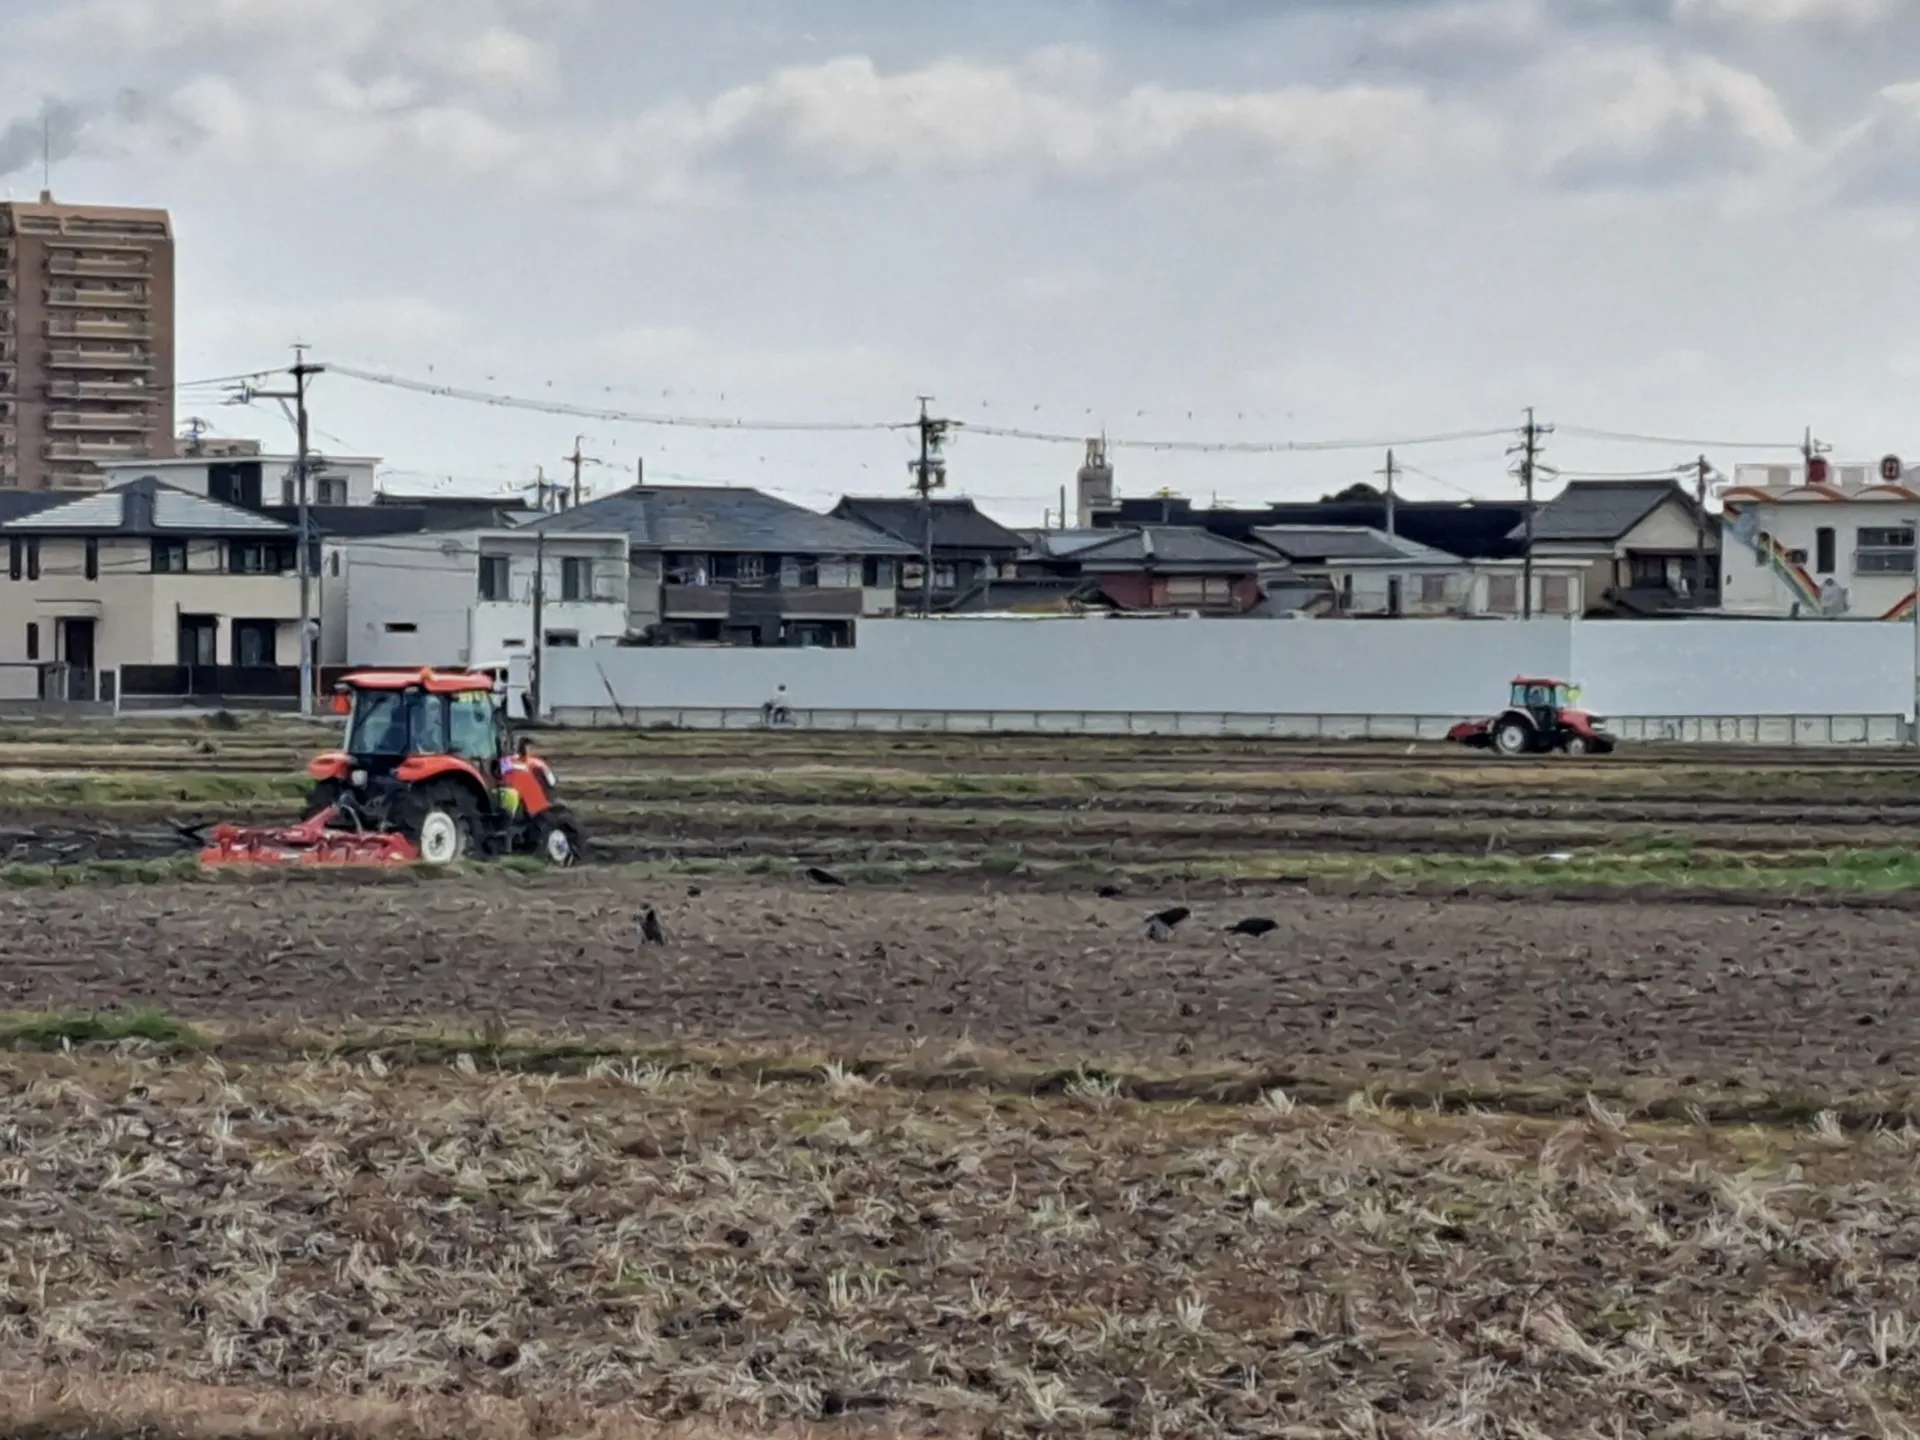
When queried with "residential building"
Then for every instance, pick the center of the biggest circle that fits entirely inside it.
(1843, 546)
(86, 341)
(145, 575)
(723, 565)
(257, 481)
(1472, 529)
(467, 597)
(1151, 567)
(1371, 573)
(1648, 545)
(970, 551)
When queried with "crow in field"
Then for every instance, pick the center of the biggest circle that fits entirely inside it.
(823, 877)
(1160, 926)
(693, 892)
(1112, 892)
(1254, 925)
(652, 932)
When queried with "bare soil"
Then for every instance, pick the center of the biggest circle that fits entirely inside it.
(1775, 1000)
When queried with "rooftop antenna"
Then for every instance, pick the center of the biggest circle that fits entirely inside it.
(46, 156)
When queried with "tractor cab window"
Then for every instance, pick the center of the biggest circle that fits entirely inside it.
(473, 732)
(398, 722)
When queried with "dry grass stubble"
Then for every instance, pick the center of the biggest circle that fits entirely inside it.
(663, 1247)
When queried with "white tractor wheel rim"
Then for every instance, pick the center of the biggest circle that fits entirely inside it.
(1576, 746)
(1511, 739)
(439, 838)
(559, 847)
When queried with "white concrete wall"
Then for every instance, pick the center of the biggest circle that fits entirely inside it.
(1363, 670)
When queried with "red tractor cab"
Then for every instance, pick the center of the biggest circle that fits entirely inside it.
(428, 775)
(1540, 716)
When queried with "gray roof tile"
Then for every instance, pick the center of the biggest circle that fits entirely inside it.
(1164, 545)
(1305, 544)
(721, 518)
(146, 506)
(957, 522)
(1599, 510)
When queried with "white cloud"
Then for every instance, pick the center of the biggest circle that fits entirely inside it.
(956, 115)
(1833, 13)
(1642, 117)
(1878, 160)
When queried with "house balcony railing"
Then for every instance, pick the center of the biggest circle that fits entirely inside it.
(135, 423)
(695, 602)
(94, 299)
(97, 390)
(93, 449)
(103, 267)
(85, 327)
(118, 357)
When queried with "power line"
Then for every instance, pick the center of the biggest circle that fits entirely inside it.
(1226, 447)
(1625, 437)
(624, 417)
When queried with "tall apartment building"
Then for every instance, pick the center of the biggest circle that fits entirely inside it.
(86, 341)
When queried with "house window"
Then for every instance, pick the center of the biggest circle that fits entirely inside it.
(576, 579)
(199, 637)
(877, 574)
(93, 559)
(33, 641)
(1554, 595)
(16, 549)
(260, 557)
(563, 639)
(255, 643)
(170, 558)
(495, 576)
(1503, 594)
(806, 572)
(330, 490)
(946, 575)
(1883, 550)
(333, 565)
(1199, 590)
(1823, 550)
(33, 559)
(1763, 547)
(1433, 589)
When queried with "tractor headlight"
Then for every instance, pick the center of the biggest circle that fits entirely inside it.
(358, 779)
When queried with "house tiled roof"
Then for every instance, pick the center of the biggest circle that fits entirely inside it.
(145, 507)
(347, 522)
(702, 519)
(1163, 546)
(1600, 510)
(957, 523)
(1306, 544)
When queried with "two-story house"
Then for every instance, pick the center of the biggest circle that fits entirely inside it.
(470, 598)
(970, 550)
(718, 564)
(149, 578)
(1647, 545)
(1842, 546)
(1152, 568)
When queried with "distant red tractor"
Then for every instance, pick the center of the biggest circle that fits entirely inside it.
(1539, 717)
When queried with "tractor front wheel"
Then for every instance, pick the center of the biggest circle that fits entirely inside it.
(557, 839)
(1577, 745)
(1512, 738)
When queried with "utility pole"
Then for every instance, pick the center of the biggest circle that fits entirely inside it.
(535, 671)
(1701, 470)
(301, 372)
(1529, 452)
(576, 459)
(929, 474)
(1389, 473)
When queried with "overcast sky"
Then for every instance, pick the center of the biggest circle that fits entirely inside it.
(1216, 220)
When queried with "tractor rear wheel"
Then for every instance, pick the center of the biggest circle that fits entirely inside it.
(442, 824)
(1511, 737)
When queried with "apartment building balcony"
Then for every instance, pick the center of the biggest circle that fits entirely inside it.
(102, 357)
(94, 298)
(124, 389)
(99, 420)
(96, 448)
(695, 602)
(89, 327)
(107, 267)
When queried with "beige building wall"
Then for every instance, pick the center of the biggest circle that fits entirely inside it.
(136, 613)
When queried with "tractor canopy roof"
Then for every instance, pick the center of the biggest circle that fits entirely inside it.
(1535, 680)
(438, 682)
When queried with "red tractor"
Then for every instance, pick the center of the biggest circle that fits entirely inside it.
(1539, 717)
(428, 776)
